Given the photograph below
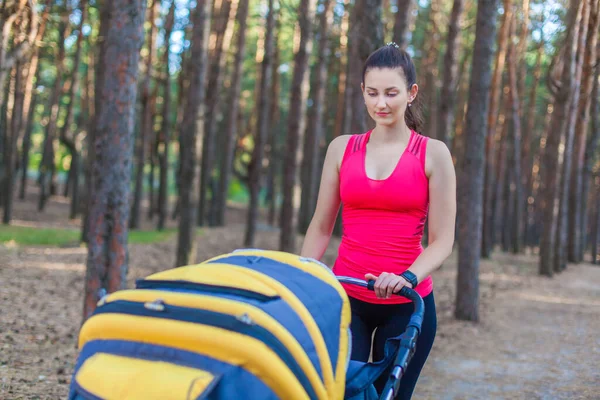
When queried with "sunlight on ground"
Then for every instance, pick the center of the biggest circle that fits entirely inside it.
(557, 299)
(56, 266)
(491, 276)
(52, 250)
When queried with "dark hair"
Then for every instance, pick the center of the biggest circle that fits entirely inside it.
(392, 56)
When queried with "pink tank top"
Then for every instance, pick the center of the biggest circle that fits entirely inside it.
(383, 220)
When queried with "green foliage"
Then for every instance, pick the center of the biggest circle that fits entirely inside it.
(30, 236)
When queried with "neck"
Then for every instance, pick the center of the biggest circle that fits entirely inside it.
(392, 133)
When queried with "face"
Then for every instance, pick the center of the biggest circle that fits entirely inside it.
(386, 95)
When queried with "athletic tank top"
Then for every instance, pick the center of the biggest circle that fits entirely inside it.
(383, 220)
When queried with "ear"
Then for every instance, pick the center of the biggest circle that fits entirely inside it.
(362, 86)
(412, 93)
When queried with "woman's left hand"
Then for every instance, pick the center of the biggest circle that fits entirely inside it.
(387, 284)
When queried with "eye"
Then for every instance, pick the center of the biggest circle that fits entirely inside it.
(394, 94)
(372, 94)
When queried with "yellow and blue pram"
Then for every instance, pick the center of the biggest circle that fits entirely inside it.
(251, 324)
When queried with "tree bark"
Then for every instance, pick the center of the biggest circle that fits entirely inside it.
(471, 182)
(310, 157)
(402, 22)
(449, 82)
(341, 113)
(224, 33)
(576, 216)
(560, 261)
(492, 117)
(590, 150)
(552, 157)
(232, 119)
(191, 130)
(47, 163)
(145, 131)
(107, 261)
(296, 125)
(165, 128)
(262, 128)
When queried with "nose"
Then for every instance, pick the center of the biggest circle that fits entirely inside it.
(381, 102)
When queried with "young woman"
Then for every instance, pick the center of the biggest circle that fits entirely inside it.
(390, 180)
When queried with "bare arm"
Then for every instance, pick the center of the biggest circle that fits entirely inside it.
(328, 202)
(442, 210)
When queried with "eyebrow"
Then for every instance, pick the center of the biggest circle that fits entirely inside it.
(390, 88)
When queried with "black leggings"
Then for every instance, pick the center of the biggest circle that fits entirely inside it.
(390, 320)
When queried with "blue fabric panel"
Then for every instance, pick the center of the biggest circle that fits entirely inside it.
(282, 313)
(320, 298)
(235, 382)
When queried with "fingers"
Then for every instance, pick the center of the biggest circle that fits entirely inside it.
(386, 284)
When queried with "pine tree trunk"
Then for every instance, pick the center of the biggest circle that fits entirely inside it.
(296, 125)
(233, 108)
(576, 216)
(107, 261)
(552, 157)
(470, 199)
(450, 78)
(562, 240)
(274, 134)
(262, 128)
(595, 236)
(190, 131)
(402, 22)
(590, 150)
(165, 128)
(314, 133)
(46, 173)
(341, 113)
(223, 32)
(489, 229)
(13, 127)
(145, 131)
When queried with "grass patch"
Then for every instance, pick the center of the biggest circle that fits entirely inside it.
(28, 236)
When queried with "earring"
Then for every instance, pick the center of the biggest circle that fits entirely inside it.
(409, 104)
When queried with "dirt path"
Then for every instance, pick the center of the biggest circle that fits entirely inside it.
(537, 339)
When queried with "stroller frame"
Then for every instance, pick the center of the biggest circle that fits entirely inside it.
(408, 339)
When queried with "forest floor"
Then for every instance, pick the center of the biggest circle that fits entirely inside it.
(538, 338)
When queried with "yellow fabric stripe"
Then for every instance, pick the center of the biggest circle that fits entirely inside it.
(306, 317)
(230, 307)
(252, 354)
(318, 271)
(217, 276)
(113, 377)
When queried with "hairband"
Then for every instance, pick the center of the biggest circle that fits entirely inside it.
(393, 44)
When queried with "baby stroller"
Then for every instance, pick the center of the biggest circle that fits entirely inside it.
(251, 324)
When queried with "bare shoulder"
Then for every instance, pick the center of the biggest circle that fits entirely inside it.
(438, 157)
(336, 149)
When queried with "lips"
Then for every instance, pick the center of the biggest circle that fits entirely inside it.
(382, 114)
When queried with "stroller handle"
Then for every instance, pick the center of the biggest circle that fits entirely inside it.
(416, 320)
(409, 337)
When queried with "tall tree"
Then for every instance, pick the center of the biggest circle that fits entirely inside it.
(576, 216)
(262, 128)
(402, 22)
(314, 131)
(232, 107)
(560, 260)
(146, 125)
(552, 157)
(341, 113)
(296, 124)
(449, 82)
(164, 137)
(190, 131)
(492, 116)
(73, 141)
(47, 166)
(15, 14)
(471, 179)
(223, 33)
(109, 212)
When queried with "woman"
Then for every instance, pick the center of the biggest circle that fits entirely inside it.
(390, 180)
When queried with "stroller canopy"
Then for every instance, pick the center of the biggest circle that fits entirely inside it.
(251, 324)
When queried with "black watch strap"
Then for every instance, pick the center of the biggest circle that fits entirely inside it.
(410, 277)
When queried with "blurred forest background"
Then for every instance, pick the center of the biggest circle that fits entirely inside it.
(169, 110)
(139, 135)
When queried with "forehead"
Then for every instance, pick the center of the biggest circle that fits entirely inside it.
(385, 78)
